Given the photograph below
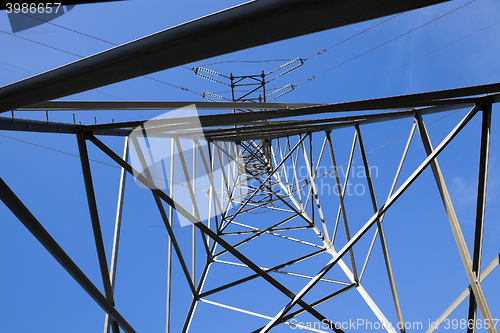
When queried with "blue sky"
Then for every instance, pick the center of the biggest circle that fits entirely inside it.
(37, 294)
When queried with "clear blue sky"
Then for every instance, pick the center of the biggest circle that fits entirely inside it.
(38, 295)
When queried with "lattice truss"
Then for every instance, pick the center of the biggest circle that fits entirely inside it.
(269, 197)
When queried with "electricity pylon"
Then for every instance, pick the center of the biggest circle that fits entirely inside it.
(300, 226)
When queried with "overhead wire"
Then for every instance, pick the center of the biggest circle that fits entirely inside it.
(30, 71)
(42, 44)
(33, 72)
(14, 66)
(385, 43)
(79, 56)
(318, 53)
(259, 61)
(114, 44)
(353, 36)
(419, 58)
(302, 60)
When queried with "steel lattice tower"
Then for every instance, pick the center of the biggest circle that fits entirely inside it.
(270, 191)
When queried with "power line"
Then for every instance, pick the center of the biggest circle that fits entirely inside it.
(72, 30)
(353, 36)
(79, 56)
(410, 62)
(30, 71)
(57, 150)
(385, 43)
(42, 44)
(24, 69)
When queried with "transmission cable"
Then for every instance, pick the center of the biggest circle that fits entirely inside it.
(33, 72)
(385, 43)
(412, 61)
(96, 38)
(353, 36)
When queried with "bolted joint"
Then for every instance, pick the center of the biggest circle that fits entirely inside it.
(81, 132)
(486, 103)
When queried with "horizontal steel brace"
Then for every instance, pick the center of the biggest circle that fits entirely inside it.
(155, 105)
(408, 102)
(28, 125)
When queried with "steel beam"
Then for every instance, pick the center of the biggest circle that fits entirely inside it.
(299, 326)
(94, 218)
(16, 206)
(275, 128)
(342, 194)
(193, 231)
(250, 118)
(118, 223)
(380, 229)
(28, 125)
(154, 105)
(165, 219)
(194, 301)
(281, 272)
(253, 276)
(455, 226)
(341, 204)
(169, 245)
(480, 208)
(318, 302)
(160, 126)
(443, 98)
(484, 274)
